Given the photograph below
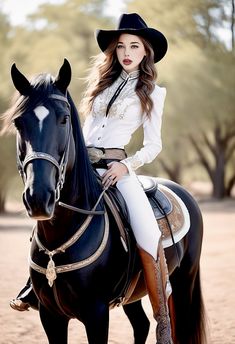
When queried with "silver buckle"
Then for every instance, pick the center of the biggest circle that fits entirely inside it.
(95, 154)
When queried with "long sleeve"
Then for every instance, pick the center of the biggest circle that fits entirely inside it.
(152, 143)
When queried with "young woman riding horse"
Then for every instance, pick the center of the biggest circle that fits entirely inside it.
(121, 97)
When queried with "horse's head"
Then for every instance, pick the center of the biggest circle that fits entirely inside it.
(45, 146)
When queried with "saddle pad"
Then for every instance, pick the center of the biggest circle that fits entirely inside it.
(178, 218)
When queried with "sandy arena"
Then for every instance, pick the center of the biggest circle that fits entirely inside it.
(218, 279)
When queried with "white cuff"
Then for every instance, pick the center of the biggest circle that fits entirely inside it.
(132, 163)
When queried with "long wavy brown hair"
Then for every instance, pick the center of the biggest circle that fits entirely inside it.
(106, 69)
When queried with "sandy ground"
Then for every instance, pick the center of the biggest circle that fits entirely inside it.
(218, 279)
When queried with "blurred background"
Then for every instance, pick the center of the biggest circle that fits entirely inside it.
(198, 134)
(198, 72)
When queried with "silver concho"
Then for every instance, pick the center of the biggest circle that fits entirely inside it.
(95, 154)
(51, 272)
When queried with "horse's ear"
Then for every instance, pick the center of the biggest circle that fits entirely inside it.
(20, 82)
(63, 78)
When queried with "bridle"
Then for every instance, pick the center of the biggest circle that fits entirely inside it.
(60, 166)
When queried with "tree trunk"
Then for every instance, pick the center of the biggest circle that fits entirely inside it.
(218, 149)
(173, 172)
(219, 190)
(2, 202)
(232, 24)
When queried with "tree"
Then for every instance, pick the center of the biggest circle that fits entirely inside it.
(55, 31)
(7, 161)
(198, 72)
(214, 141)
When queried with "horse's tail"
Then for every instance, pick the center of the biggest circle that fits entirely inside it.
(190, 319)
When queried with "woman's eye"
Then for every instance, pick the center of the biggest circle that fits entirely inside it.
(134, 46)
(119, 46)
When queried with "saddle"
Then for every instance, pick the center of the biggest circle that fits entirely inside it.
(173, 222)
(160, 203)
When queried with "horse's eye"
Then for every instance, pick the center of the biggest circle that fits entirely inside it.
(64, 119)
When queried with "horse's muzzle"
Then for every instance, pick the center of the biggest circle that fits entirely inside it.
(40, 205)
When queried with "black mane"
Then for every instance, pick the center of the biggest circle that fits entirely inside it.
(85, 181)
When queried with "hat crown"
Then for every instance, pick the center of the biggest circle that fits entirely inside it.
(133, 24)
(131, 21)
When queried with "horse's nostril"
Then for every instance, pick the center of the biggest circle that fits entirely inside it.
(39, 205)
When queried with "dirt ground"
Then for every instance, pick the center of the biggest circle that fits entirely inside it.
(218, 279)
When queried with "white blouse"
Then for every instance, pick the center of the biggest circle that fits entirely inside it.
(124, 118)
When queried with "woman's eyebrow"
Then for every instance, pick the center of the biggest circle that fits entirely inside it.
(129, 43)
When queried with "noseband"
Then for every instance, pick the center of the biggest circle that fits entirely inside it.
(61, 167)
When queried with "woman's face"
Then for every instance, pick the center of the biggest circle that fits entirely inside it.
(130, 52)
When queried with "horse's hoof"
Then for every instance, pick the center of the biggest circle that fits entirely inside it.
(19, 305)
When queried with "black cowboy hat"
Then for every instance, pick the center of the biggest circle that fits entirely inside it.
(133, 24)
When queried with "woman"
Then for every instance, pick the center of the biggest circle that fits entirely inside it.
(122, 96)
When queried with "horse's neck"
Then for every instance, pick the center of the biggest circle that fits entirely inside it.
(60, 228)
(66, 222)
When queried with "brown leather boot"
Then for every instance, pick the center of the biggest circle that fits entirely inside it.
(25, 299)
(19, 305)
(157, 284)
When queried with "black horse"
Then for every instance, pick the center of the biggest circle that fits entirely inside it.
(80, 252)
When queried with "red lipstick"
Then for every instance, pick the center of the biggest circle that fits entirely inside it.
(127, 61)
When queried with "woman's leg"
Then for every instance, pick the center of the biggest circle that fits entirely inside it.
(25, 299)
(148, 237)
(142, 219)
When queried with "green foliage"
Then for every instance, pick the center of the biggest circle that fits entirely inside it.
(199, 74)
(52, 33)
(198, 70)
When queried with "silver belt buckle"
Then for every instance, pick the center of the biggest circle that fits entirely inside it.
(95, 154)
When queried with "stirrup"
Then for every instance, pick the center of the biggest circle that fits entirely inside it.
(19, 305)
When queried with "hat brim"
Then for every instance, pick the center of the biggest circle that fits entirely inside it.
(157, 40)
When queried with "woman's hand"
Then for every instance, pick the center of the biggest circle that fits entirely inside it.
(116, 170)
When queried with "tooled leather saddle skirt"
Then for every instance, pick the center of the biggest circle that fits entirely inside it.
(169, 210)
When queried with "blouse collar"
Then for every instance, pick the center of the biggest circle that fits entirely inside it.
(130, 76)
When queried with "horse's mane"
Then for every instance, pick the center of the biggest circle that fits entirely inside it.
(84, 181)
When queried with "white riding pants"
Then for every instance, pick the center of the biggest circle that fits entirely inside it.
(142, 219)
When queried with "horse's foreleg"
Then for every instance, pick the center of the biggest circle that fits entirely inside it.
(95, 317)
(138, 320)
(56, 327)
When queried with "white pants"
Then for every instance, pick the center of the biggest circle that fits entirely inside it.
(142, 219)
